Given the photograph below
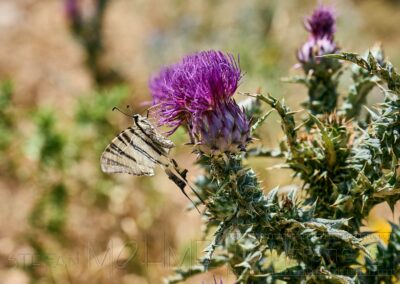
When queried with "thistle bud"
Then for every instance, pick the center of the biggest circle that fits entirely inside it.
(320, 71)
(223, 129)
(322, 26)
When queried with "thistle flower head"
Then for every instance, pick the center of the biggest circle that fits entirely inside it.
(196, 84)
(316, 47)
(197, 92)
(322, 26)
(222, 129)
(322, 23)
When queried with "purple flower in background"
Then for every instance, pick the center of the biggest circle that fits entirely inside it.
(316, 47)
(194, 85)
(322, 26)
(84, 13)
(322, 23)
(72, 11)
(197, 93)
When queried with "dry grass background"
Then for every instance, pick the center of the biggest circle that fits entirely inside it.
(44, 62)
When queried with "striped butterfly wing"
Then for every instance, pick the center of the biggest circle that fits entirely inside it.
(151, 135)
(138, 149)
(135, 151)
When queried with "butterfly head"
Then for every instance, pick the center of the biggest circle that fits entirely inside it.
(137, 118)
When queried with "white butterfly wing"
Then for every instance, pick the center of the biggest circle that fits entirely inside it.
(133, 152)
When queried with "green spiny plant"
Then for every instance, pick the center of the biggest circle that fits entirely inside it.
(346, 167)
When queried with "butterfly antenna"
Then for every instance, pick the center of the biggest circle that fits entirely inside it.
(115, 108)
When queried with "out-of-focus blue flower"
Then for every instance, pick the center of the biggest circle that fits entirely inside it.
(197, 93)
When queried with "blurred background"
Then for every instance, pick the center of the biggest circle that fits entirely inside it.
(65, 64)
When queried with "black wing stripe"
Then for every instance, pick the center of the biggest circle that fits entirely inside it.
(149, 143)
(144, 153)
(114, 163)
(126, 137)
(113, 152)
(123, 168)
(138, 149)
(120, 139)
(121, 152)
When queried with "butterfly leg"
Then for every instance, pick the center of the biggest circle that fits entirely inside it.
(182, 174)
(181, 184)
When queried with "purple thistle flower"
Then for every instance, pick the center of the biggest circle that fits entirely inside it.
(197, 93)
(194, 85)
(322, 23)
(322, 26)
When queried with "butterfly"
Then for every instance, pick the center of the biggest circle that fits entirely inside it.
(139, 149)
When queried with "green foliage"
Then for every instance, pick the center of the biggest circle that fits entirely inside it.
(49, 212)
(248, 224)
(47, 144)
(374, 66)
(92, 117)
(383, 134)
(6, 122)
(94, 109)
(321, 79)
(364, 82)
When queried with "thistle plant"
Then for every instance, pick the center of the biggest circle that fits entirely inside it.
(363, 83)
(247, 224)
(346, 164)
(321, 74)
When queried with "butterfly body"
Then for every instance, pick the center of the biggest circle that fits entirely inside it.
(137, 150)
